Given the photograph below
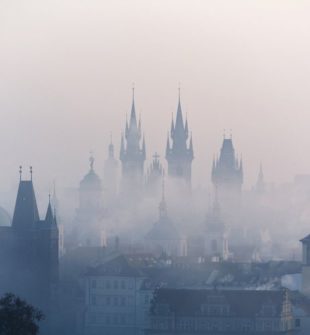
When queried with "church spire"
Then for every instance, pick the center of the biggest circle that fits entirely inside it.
(180, 154)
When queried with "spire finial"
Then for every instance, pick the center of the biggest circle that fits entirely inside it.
(30, 168)
(49, 197)
(20, 172)
(230, 134)
(91, 160)
(133, 91)
(179, 89)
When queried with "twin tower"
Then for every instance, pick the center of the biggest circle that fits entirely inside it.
(227, 170)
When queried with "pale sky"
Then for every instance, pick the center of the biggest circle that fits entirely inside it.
(67, 67)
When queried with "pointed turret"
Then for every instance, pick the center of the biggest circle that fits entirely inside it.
(180, 154)
(227, 171)
(50, 218)
(26, 212)
(132, 153)
(260, 184)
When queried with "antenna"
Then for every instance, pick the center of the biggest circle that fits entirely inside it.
(20, 172)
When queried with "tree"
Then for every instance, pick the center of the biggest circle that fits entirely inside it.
(17, 317)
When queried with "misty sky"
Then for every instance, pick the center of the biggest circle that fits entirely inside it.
(67, 67)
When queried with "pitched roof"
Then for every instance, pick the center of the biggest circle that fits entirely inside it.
(118, 266)
(241, 303)
(26, 211)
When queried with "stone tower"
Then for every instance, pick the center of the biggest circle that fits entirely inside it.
(179, 153)
(132, 155)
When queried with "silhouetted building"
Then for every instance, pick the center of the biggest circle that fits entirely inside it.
(180, 153)
(190, 311)
(164, 238)
(215, 238)
(110, 177)
(132, 155)
(112, 298)
(227, 170)
(260, 184)
(89, 228)
(306, 265)
(29, 251)
(154, 177)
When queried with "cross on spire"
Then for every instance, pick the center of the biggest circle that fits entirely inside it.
(30, 168)
(20, 172)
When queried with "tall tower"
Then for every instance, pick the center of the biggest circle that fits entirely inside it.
(90, 213)
(215, 239)
(227, 170)
(180, 153)
(110, 176)
(132, 154)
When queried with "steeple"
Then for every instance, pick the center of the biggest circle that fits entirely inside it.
(49, 217)
(111, 149)
(132, 152)
(26, 212)
(227, 171)
(260, 184)
(180, 154)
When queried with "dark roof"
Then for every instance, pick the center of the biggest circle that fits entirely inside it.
(241, 303)
(91, 181)
(118, 266)
(26, 211)
(305, 239)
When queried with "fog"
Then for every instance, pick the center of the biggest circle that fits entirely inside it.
(67, 69)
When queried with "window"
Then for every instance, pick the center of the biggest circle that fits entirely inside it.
(123, 285)
(115, 301)
(297, 323)
(108, 301)
(93, 283)
(115, 285)
(123, 301)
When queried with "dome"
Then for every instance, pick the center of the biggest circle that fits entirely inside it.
(91, 181)
(5, 218)
(163, 230)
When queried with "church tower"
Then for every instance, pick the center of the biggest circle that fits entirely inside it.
(90, 212)
(179, 153)
(132, 154)
(215, 241)
(227, 170)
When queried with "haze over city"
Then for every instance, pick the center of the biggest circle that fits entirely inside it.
(155, 167)
(67, 69)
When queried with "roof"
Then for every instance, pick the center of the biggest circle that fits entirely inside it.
(91, 181)
(241, 303)
(118, 266)
(305, 239)
(163, 229)
(26, 211)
